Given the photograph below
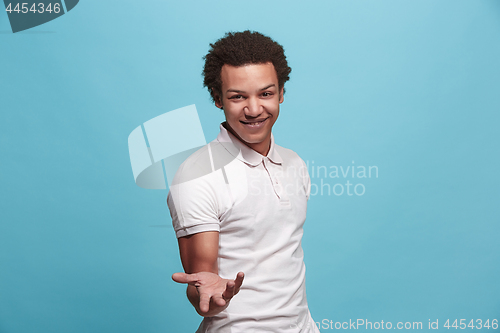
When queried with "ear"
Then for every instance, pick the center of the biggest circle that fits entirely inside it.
(217, 99)
(282, 97)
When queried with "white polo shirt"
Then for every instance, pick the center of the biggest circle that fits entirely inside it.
(258, 205)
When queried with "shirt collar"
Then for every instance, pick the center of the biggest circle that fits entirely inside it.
(244, 153)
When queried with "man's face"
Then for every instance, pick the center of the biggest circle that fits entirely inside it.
(251, 101)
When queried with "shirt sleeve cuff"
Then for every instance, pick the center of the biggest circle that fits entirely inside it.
(197, 229)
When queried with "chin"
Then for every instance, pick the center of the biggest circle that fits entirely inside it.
(253, 141)
(255, 138)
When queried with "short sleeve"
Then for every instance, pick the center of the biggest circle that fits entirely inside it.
(193, 206)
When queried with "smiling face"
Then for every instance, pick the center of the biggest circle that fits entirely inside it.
(251, 101)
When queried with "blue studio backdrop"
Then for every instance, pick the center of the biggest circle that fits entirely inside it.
(394, 105)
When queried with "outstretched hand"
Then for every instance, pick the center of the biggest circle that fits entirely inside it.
(211, 287)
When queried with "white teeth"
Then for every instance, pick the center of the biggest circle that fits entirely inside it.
(255, 123)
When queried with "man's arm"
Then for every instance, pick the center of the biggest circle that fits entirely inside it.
(207, 291)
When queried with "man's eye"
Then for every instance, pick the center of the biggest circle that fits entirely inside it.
(236, 97)
(267, 94)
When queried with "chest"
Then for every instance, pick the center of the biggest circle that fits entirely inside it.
(263, 203)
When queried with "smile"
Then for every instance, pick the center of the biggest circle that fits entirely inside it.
(254, 124)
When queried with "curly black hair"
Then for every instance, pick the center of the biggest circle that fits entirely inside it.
(242, 48)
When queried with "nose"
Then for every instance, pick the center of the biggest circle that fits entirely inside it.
(253, 108)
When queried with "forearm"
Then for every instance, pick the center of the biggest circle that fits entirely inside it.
(199, 253)
(194, 297)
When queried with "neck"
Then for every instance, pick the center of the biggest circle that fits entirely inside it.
(261, 147)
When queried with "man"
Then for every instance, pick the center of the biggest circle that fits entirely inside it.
(245, 214)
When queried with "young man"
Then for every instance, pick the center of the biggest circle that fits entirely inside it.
(246, 213)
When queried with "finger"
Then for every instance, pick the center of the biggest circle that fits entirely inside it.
(238, 282)
(184, 278)
(204, 302)
(218, 300)
(229, 292)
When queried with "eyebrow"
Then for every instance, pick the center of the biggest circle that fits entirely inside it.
(241, 91)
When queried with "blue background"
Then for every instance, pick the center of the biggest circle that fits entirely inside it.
(411, 87)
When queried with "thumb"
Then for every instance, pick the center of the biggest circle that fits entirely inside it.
(184, 278)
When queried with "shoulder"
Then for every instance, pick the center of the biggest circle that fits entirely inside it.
(204, 163)
(294, 165)
(195, 166)
(289, 156)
